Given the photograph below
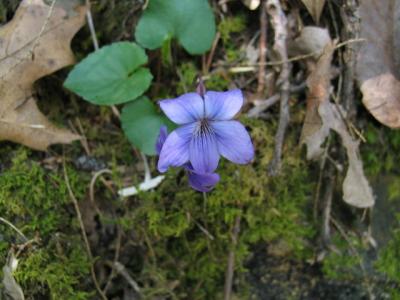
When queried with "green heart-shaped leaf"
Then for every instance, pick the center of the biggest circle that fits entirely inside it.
(141, 124)
(190, 21)
(111, 75)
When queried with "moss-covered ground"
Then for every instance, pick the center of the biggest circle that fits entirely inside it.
(174, 242)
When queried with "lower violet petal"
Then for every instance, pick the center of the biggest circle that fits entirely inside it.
(233, 141)
(162, 136)
(203, 152)
(175, 151)
(203, 182)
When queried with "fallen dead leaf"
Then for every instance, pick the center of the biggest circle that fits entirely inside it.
(312, 39)
(323, 116)
(378, 63)
(10, 287)
(35, 43)
(315, 8)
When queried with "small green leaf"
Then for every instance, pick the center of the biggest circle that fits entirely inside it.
(190, 21)
(111, 75)
(141, 123)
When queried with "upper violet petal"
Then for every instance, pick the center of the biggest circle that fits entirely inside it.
(203, 182)
(233, 141)
(185, 109)
(162, 136)
(223, 105)
(203, 152)
(175, 151)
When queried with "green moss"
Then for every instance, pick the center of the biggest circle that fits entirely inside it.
(388, 262)
(36, 201)
(56, 271)
(343, 264)
(382, 150)
(231, 25)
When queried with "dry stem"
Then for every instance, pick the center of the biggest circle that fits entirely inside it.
(279, 22)
(231, 260)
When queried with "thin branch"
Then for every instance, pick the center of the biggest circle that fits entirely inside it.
(263, 105)
(83, 231)
(262, 49)
(89, 19)
(279, 22)
(230, 269)
(212, 52)
(120, 268)
(15, 229)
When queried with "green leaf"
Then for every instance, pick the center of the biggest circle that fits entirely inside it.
(190, 21)
(141, 123)
(111, 75)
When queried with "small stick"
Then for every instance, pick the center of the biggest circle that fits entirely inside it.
(279, 22)
(327, 208)
(231, 260)
(212, 52)
(15, 228)
(116, 258)
(120, 268)
(262, 49)
(83, 231)
(89, 19)
(262, 105)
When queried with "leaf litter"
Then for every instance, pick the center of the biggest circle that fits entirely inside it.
(322, 116)
(35, 43)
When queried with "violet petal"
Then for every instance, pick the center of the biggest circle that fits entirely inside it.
(185, 109)
(162, 136)
(223, 105)
(175, 151)
(203, 152)
(233, 141)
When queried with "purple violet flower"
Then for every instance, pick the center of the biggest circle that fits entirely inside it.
(199, 182)
(207, 131)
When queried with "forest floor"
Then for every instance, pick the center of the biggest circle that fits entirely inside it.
(283, 225)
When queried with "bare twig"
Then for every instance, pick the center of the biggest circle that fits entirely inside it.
(231, 260)
(252, 67)
(351, 30)
(120, 268)
(263, 105)
(279, 22)
(262, 49)
(116, 258)
(356, 254)
(89, 19)
(14, 228)
(91, 188)
(327, 207)
(83, 231)
(212, 52)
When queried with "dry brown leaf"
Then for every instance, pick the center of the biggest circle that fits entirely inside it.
(35, 43)
(378, 63)
(10, 288)
(315, 8)
(312, 39)
(323, 116)
(251, 4)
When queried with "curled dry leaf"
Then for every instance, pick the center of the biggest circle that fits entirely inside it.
(378, 63)
(251, 4)
(311, 40)
(35, 43)
(314, 7)
(323, 116)
(10, 287)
